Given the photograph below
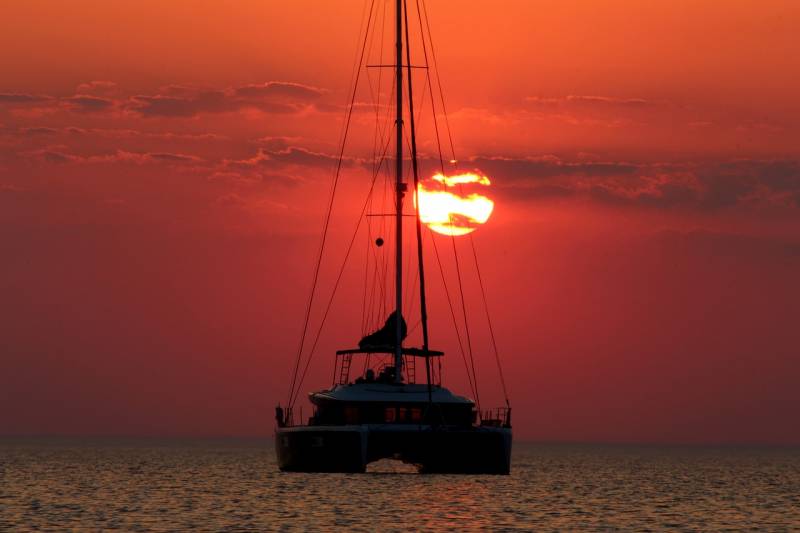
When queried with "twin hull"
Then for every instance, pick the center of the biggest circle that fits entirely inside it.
(472, 450)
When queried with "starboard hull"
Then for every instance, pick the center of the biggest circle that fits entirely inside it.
(474, 450)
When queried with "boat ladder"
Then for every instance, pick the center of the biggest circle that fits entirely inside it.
(344, 370)
(411, 369)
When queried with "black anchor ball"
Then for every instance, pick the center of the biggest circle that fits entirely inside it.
(379, 241)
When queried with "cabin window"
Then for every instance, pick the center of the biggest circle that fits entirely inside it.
(416, 415)
(402, 415)
(389, 415)
(351, 415)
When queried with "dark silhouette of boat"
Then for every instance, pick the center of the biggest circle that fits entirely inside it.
(380, 410)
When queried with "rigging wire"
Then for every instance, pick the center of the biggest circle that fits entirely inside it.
(466, 323)
(381, 264)
(471, 366)
(417, 222)
(366, 277)
(327, 220)
(491, 329)
(436, 71)
(452, 314)
(471, 239)
(376, 96)
(336, 284)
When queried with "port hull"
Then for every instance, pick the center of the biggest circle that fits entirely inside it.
(472, 450)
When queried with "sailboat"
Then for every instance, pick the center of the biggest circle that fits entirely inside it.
(380, 411)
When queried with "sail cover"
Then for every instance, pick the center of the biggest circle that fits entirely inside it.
(386, 335)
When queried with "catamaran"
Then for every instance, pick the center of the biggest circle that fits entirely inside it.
(376, 408)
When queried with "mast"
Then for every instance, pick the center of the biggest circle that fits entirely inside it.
(401, 187)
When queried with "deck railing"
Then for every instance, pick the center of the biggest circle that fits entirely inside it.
(496, 417)
(286, 417)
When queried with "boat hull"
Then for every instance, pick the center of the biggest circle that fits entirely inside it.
(474, 450)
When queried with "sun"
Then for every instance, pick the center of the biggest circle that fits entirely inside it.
(454, 205)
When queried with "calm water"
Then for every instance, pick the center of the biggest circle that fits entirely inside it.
(233, 485)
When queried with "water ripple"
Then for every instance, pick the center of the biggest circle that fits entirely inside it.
(234, 486)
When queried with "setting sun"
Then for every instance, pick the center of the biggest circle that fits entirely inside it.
(449, 204)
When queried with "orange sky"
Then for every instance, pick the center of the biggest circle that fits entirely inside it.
(163, 172)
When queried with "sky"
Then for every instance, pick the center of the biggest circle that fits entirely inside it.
(165, 169)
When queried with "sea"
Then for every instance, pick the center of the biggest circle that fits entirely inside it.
(50, 484)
